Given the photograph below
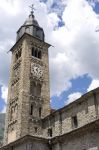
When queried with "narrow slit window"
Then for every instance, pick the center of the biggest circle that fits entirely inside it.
(31, 110)
(40, 112)
(36, 53)
(35, 129)
(50, 132)
(11, 114)
(86, 107)
(74, 122)
(33, 51)
(19, 54)
(16, 56)
(39, 54)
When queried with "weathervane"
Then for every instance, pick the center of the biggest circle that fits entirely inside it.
(32, 8)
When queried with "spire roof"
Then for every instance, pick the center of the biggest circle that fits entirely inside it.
(31, 27)
(31, 19)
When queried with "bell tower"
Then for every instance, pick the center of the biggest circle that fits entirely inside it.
(28, 91)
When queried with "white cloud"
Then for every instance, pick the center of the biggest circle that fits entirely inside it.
(4, 109)
(4, 93)
(94, 84)
(58, 6)
(76, 44)
(72, 97)
(60, 69)
(53, 20)
(11, 7)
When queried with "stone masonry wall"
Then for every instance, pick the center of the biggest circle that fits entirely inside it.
(82, 140)
(19, 90)
(85, 109)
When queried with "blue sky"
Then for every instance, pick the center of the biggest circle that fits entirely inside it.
(96, 9)
(78, 85)
(69, 26)
(2, 103)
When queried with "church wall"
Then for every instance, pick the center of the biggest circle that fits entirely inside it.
(35, 129)
(85, 109)
(79, 141)
(28, 144)
(83, 116)
(57, 125)
(38, 146)
(20, 147)
(35, 145)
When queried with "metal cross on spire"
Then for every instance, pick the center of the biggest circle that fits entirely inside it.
(32, 8)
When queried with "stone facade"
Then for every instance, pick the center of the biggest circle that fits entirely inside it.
(29, 122)
(28, 143)
(84, 138)
(20, 121)
(85, 110)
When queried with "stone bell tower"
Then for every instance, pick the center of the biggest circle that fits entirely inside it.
(28, 92)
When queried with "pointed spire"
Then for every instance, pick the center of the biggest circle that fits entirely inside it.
(31, 26)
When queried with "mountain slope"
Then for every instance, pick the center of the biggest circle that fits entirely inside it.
(2, 123)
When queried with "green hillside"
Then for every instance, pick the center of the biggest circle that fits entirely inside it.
(2, 121)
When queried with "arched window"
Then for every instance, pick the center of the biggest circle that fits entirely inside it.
(16, 56)
(39, 54)
(36, 53)
(19, 53)
(38, 90)
(33, 88)
(15, 111)
(12, 113)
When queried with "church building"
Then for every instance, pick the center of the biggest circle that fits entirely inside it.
(30, 122)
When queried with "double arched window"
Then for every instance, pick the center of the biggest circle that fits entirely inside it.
(18, 55)
(35, 89)
(32, 111)
(36, 53)
(13, 112)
